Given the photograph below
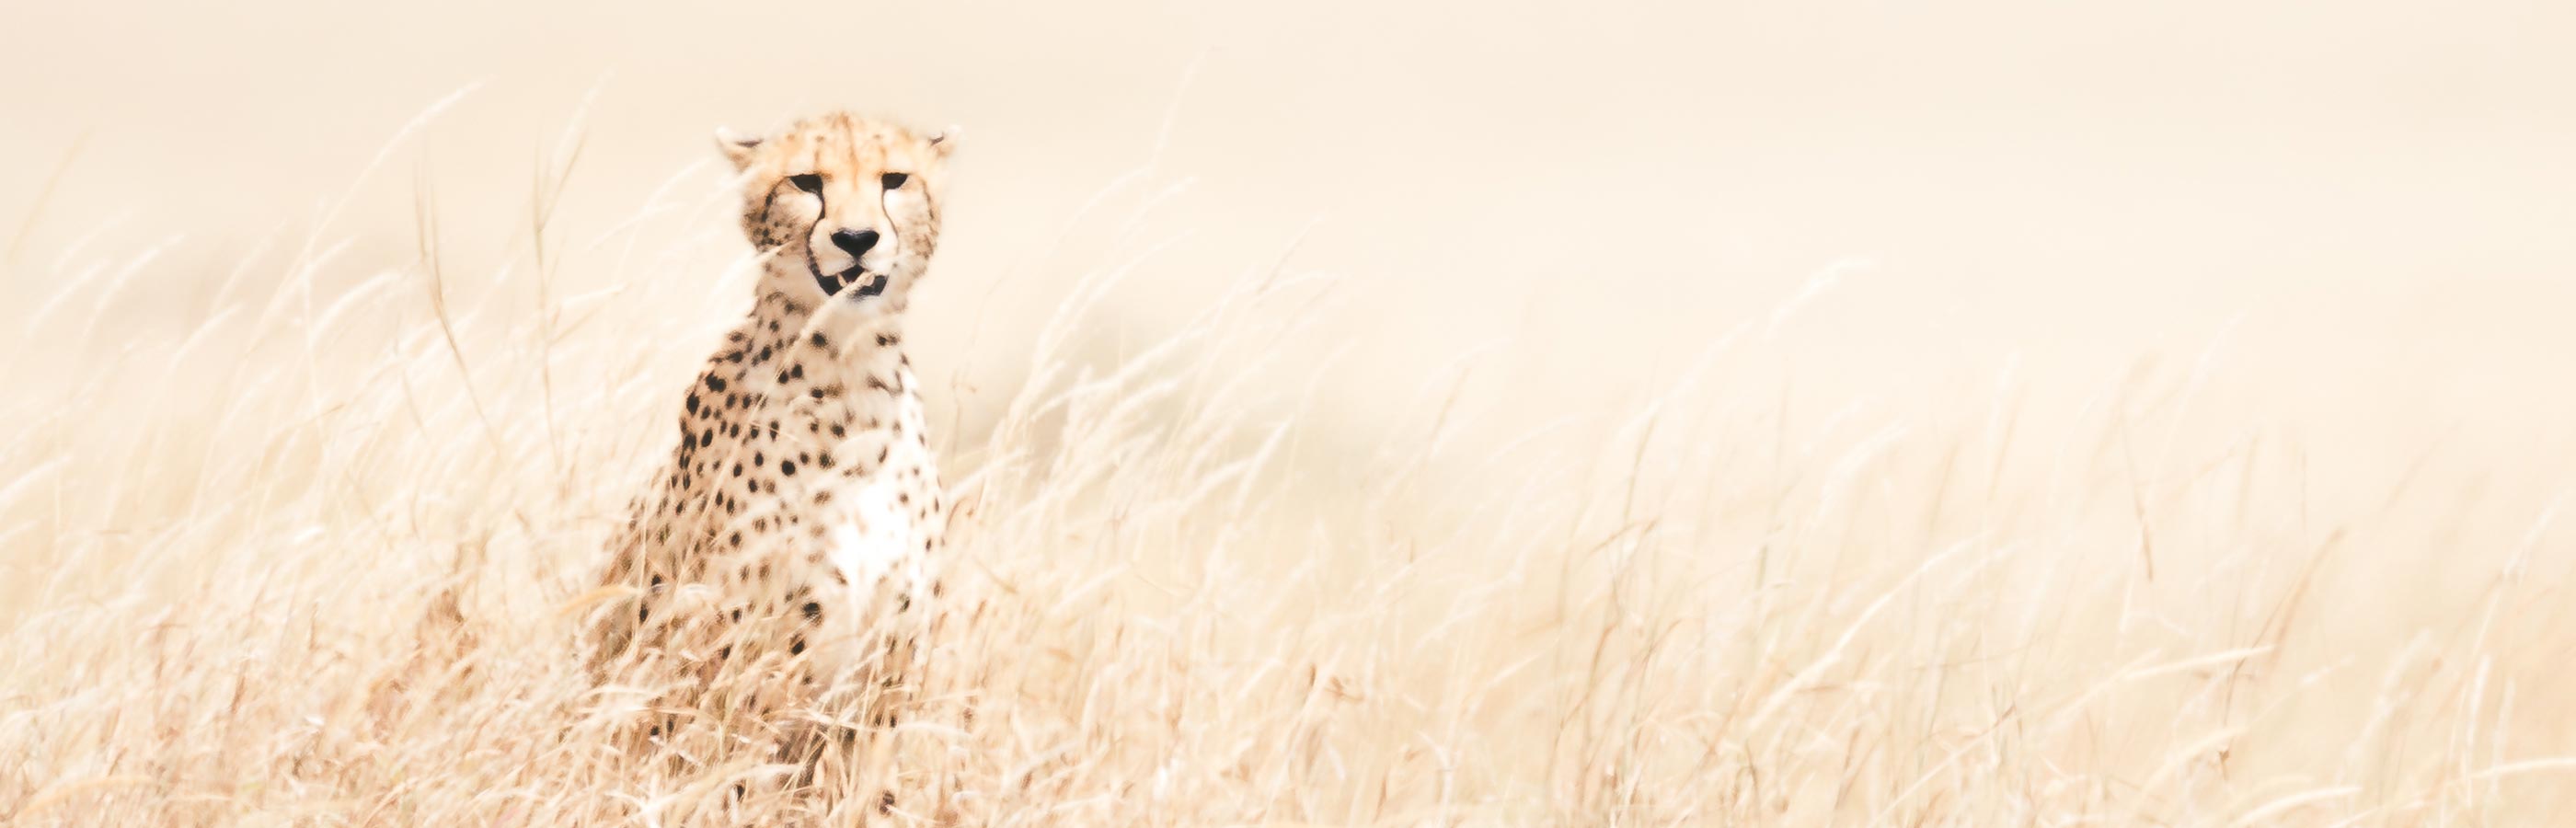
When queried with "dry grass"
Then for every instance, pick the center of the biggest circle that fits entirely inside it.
(307, 560)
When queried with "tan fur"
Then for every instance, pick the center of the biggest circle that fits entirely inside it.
(785, 551)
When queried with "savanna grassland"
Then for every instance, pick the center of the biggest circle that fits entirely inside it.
(315, 556)
(1632, 415)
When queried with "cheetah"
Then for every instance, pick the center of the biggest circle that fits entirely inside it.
(796, 524)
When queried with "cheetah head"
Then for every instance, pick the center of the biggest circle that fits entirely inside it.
(847, 207)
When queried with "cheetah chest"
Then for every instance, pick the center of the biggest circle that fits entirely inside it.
(874, 559)
(877, 537)
(813, 499)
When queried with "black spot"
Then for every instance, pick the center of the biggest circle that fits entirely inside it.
(816, 393)
(715, 383)
(737, 469)
(797, 646)
(736, 539)
(820, 342)
(707, 439)
(796, 371)
(884, 340)
(764, 354)
(785, 467)
(758, 459)
(813, 611)
(839, 431)
(693, 403)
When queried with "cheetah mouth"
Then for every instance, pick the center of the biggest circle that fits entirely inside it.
(861, 283)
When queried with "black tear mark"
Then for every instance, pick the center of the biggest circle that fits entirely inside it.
(822, 209)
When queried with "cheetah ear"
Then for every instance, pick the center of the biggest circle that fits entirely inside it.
(736, 147)
(945, 141)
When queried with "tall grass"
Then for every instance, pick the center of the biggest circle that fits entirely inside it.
(309, 559)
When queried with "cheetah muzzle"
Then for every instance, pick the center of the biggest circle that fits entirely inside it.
(873, 284)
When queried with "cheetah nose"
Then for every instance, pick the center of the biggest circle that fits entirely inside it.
(855, 242)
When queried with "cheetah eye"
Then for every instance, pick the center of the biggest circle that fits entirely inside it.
(894, 181)
(808, 182)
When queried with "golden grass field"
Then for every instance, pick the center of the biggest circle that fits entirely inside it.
(1798, 419)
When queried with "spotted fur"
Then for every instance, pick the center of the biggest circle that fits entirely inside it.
(796, 524)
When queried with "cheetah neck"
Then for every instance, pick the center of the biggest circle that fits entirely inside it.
(844, 355)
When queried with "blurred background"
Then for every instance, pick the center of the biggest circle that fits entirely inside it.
(2339, 202)
(2343, 231)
